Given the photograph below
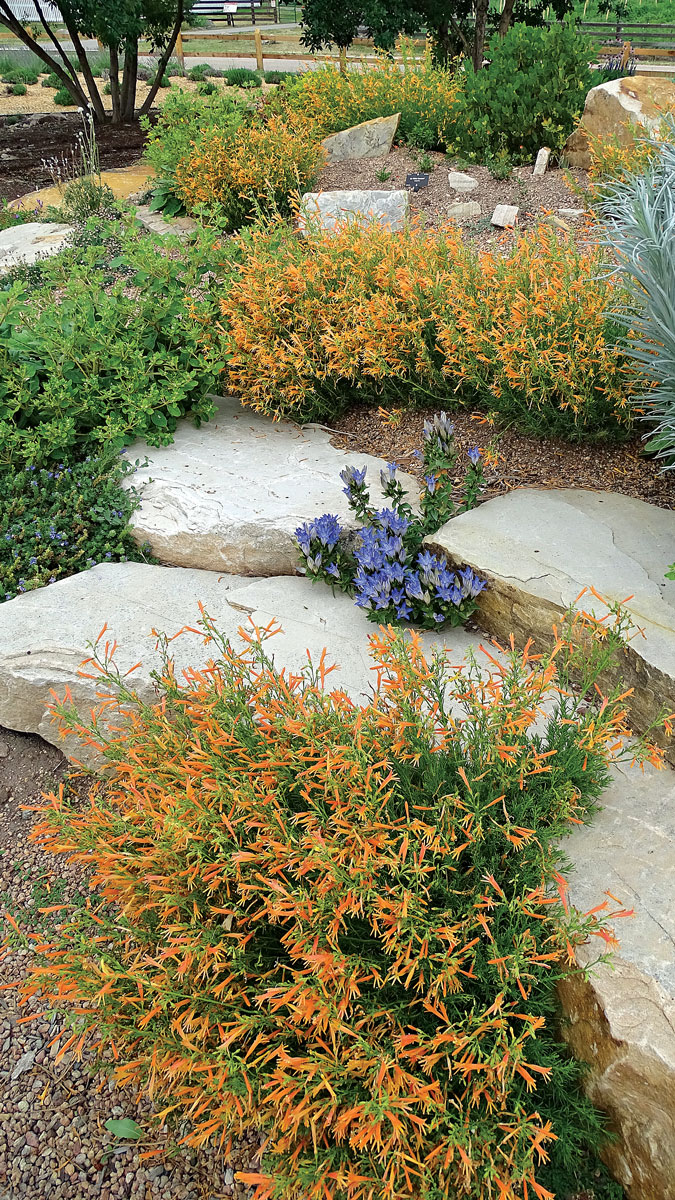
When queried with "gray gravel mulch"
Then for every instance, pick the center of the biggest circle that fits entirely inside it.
(534, 196)
(53, 1140)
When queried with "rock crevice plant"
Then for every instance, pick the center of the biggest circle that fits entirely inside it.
(384, 566)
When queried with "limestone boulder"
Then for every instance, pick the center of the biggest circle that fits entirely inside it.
(229, 496)
(613, 109)
(621, 1019)
(46, 634)
(24, 244)
(331, 210)
(539, 549)
(369, 139)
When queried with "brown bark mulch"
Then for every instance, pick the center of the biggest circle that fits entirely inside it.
(522, 461)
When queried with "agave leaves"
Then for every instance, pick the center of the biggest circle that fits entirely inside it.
(641, 235)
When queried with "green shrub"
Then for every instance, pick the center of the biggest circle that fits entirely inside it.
(103, 349)
(207, 88)
(278, 76)
(181, 123)
(199, 73)
(99, 63)
(63, 97)
(61, 520)
(342, 925)
(18, 75)
(17, 89)
(422, 93)
(18, 216)
(51, 81)
(530, 96)
(241, 77)
(107, 90)
(367, 315)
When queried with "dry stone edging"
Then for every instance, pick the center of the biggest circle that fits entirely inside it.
(229, 496)
(539, 549)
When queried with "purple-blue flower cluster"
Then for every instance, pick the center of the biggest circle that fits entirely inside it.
(385, 581)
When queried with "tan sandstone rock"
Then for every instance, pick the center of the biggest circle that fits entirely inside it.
(613, 110)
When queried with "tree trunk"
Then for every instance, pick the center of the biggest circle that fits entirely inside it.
(115, 85)
(505, 19)
(96, 101)
(168, 51)
(129, 79)
(482, 7)
(68, 80)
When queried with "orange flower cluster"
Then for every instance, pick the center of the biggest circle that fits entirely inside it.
(423, 94)
(255, 168)
(614, 159)
(341, 924)
(367, 313)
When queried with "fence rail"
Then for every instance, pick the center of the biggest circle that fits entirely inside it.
(238, 12)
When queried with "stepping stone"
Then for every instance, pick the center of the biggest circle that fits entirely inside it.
(369, 139)
(464, 210)
(459, 182)
(539, 549)
(154, 222)
(328, 210)
(541, 163)
(44, 634)
(229, 496)
(24, 244)
(621, 1021)
(505, 216)
(572, 214)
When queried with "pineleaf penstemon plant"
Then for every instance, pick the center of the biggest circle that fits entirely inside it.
(343, 924)
(640, 211)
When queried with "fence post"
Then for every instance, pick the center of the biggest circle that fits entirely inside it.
(179, 52)
(258, 49)
(252, 13)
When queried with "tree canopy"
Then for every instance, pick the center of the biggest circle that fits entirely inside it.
(119, 27)
(455, 26)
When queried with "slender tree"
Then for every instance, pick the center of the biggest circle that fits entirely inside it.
(118, 26)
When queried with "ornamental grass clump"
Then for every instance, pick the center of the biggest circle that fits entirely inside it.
(640, 224)
(364, 314)
(384, 566)
(343, 924)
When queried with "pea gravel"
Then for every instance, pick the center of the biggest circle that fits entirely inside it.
(53, 1140)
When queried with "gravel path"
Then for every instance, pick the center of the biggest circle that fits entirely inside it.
(53, 1140)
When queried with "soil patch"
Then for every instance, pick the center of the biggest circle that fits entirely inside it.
(25, 145)
(522, 461)
(535, 196)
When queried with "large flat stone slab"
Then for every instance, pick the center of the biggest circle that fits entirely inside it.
(332, 210)
(44, 633)
(229, 496)
(26, 243)
(539, 549)
(622, 1020)
(369, 139)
